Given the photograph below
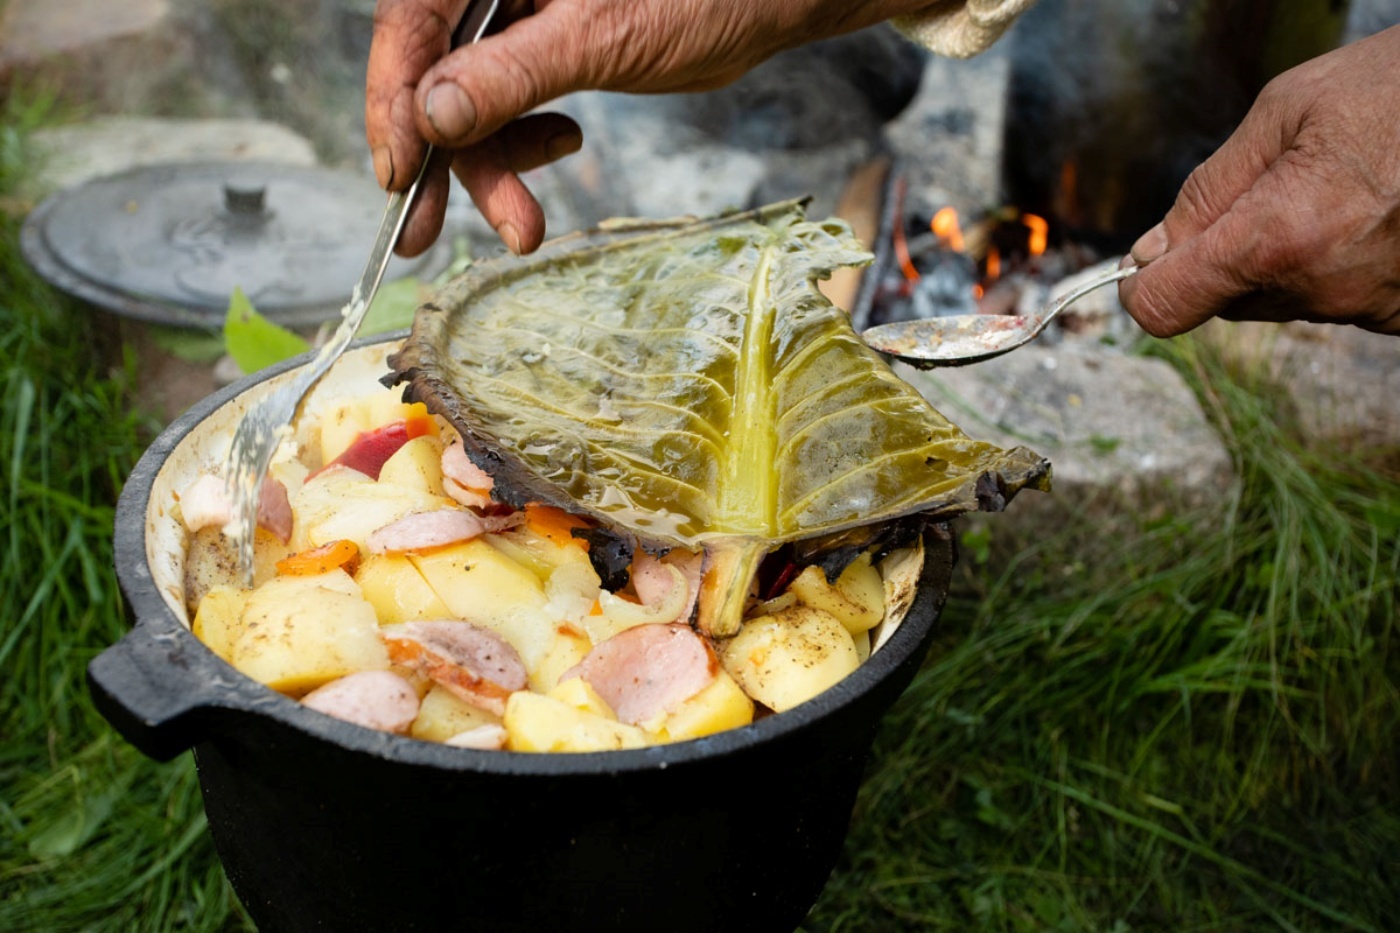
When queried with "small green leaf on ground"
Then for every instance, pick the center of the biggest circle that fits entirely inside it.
(252, 340)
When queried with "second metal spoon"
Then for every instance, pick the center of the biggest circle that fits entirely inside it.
(971, 338)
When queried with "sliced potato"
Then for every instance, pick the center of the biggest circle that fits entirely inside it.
(567, 650)
(219, 618)
(397, 591)
(789, 657)
(342, 503)
(300, 632)
(416, 465)
(856, 598)
(722, 705)
(479, 584)
(539, 723)
(212, 560)
(580, 694)
(442, 714)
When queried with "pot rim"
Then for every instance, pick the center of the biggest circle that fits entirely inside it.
(221, 687)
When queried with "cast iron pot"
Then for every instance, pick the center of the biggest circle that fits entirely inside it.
(322, 824)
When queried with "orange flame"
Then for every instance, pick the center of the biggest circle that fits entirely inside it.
(993, 264)
(901, 250)
(945, 226)
(1040, 233)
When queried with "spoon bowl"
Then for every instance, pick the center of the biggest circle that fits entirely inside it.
(963, 339)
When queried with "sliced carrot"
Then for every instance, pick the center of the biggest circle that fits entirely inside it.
(323, 559)
(419, 422)
(554, 524)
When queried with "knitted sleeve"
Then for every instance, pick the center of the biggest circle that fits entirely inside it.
(961, 28)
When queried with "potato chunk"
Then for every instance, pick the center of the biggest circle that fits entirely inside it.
(442, 715)
(300, 632)
(220, 618)
(416, 465)
(720, 706)
(397, 591)
(856, 598)
(789, 657)
(577, 722)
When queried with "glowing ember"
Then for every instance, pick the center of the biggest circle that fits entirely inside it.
(945, 226)
(1039, 233)
(993, 264)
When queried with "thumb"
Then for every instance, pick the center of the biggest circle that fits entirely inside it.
(480, 88)
(1190, 260)
(1212, 188)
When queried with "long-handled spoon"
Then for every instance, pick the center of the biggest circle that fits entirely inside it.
(269, 421)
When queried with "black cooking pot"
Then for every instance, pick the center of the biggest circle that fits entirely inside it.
(323, 824)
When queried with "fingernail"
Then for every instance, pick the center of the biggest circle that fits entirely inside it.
(564, 144)
(450, 111)
(383, 165)
(509, 235)
(1151, 245)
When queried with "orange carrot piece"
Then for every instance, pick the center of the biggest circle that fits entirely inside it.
(343, 553)
(419, 422)
(554, 524)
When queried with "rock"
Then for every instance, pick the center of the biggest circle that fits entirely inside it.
(106, 53)
(69, 155)
(1343, 381)
(1124, 435)
(32, 31)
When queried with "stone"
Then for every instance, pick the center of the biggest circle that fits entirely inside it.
(1125, 436)
(109, 54)
(70, 155)
(32, 31)
(1343, 382)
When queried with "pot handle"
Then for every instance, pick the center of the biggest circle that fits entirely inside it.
(156, 691)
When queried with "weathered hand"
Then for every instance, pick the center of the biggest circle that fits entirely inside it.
(471, 104)
(1297, 215)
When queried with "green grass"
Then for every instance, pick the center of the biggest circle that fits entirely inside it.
(1191, 726)
(92, 835)
(1194, 729)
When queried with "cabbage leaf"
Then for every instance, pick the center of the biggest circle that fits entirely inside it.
(686, 382)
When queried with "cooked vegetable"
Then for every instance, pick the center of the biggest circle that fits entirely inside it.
(687, 383)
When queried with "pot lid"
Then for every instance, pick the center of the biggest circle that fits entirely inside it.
(169, 243)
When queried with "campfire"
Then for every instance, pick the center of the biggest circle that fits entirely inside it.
(1006, 261)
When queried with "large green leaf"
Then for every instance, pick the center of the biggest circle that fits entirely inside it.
(687, 382)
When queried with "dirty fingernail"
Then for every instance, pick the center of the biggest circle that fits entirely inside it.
(1151, 245)
(450, 111)
(509, 235)
(564, 144)
(383, 165)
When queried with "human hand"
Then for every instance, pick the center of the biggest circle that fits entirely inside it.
(1297, 215)
(471, 105)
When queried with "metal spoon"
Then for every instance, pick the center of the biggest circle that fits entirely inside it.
(269, 421)
(971, 338)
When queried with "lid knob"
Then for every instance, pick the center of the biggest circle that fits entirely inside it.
(245, 200)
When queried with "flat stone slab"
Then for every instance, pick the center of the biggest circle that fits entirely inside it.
(34, 30)
(1121, 432)
(71, 155)
(1344, 382)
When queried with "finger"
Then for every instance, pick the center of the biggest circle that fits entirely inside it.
(1245, 252)
(410, 36)
(425, 215)
(1214, 186)
(538, 139)
(478, 89)
(500, 195)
